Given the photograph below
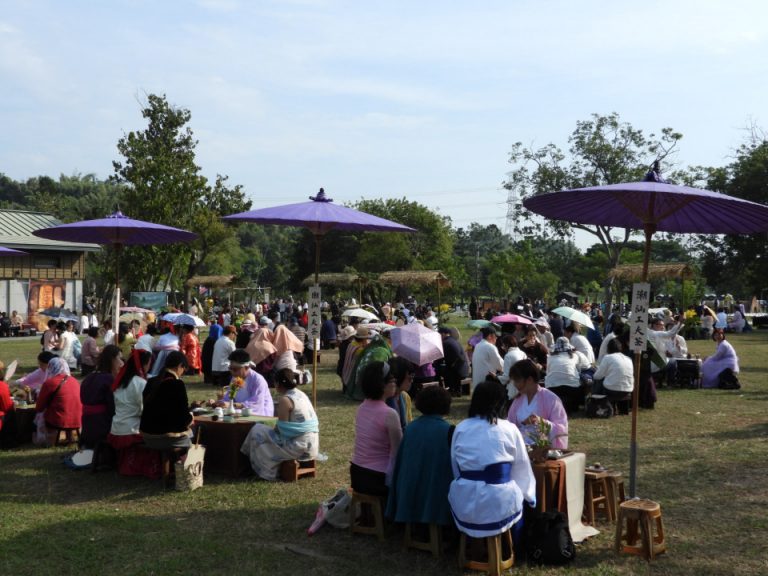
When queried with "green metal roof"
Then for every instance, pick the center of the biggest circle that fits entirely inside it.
(16, 227)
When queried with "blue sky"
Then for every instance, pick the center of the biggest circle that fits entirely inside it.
(373, 100)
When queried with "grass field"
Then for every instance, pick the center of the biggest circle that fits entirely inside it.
(702, 455)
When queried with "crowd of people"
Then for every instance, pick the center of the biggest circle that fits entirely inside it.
(525, 379)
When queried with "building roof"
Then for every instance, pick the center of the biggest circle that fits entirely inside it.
(16, 227)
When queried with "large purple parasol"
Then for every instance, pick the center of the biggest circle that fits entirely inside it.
(320, 215)
(8, 252)
(652, 205)
(116, 230)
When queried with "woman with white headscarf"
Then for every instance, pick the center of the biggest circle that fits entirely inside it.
(58, 404)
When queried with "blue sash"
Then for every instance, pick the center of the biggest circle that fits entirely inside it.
(498, 473)
(294, 429)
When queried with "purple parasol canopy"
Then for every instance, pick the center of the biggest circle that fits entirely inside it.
(116, 229)
(320, 215)
(11, 252)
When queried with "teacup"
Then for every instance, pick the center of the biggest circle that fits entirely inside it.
(246, 412)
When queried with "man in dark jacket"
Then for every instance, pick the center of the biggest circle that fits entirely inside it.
(455, 367)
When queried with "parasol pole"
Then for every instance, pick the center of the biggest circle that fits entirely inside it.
(116, 323)
(649, 229)
(315, 343)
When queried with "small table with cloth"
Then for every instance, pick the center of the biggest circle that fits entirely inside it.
(223, 441)
(560, 486)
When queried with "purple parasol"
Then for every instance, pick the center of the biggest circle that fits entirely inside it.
(652, 205)
(320, 216)
(116, 230)
(11, 252)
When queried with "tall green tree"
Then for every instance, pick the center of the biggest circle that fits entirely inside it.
(163, 184)
(738, 263)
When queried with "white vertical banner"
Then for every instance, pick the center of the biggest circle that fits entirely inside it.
(315, 320)
(638, 323)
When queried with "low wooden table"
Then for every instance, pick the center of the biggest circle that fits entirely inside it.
(19, 426)
(222, 441)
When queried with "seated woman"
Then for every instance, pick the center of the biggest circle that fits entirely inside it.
(166, 418)
(615, 376)
(722, 366)
(296, 435)
(403, 371)
(564, 374)
(737, 323)
(377, 432)
(28, 387)
(6, 402)
(133, 458)
(533, 347)
(58, 404)
(90, 352)
(422, 474)
(262, 352)
(491, 470)
(97, 397)
(533, 404)
(254, 393)
(513, 355)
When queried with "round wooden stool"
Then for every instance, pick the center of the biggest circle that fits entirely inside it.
(616, 496)
(434, 544)
(495, 564)
(596, 496)
(640, 517)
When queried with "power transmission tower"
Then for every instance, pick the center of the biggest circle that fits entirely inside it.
(511, 225)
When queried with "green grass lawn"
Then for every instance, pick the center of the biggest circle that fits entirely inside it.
(702, 455)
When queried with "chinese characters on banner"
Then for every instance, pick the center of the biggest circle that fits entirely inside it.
(638, 323)
(315, 321)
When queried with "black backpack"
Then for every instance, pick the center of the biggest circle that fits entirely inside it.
(548, 539)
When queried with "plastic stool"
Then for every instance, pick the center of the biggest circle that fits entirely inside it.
(639, 539)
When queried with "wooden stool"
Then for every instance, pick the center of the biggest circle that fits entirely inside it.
(71, 435)
(292, 470)
(596, 496)
(102, 452)
(640, 540)
(373, 503)
(496, 563)
(466, 386)
(616, 496)
(168, 460)
(434, 544)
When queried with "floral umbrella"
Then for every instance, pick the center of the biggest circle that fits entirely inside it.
(652, 205)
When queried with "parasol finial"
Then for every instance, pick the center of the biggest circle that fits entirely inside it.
(654, 174)
(320, 197)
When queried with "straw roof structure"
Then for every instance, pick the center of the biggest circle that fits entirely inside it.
(415, 277)
(333, 279)
(629, 272)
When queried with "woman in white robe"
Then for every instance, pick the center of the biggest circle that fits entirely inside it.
(492, 473)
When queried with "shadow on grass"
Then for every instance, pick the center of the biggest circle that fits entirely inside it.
(756, 431)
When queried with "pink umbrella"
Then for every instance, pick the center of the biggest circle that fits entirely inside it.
(417, 344)
(511, 319)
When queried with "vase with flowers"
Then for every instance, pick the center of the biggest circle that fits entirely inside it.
(234, 387)
(540, 443)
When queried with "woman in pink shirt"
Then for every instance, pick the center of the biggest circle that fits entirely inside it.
(377, 432)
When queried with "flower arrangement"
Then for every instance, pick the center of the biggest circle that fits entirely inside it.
(234, 386)
(539, 435)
